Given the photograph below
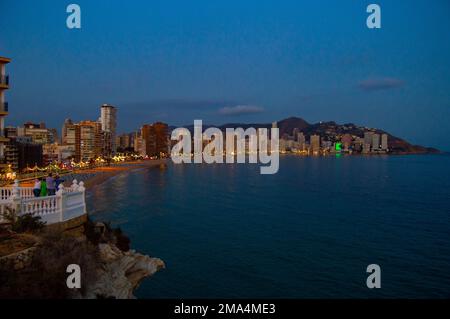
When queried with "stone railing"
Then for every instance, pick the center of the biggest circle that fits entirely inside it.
(68, 203)
(24, 192)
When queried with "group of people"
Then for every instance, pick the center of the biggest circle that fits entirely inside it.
(47, 186)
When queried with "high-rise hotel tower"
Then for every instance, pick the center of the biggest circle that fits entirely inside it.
(4, 85)
(108, 118)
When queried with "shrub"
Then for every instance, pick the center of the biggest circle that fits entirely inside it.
(27, 223)
(46, 276)
(23, 223)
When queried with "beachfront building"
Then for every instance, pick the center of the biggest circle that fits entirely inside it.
(155, 139)
(384, 142)
(108, 120)
(39, 133)
(69, 140)
(88, 144)
(21, 153)
(375, 142)
(51, 153)
(357, 144)
(66, 152)
(301, 140)
(81, 141)
(4, 85)
(347, 140)
(138, 143)
(125, 142)
(68, 133)
(315, 144)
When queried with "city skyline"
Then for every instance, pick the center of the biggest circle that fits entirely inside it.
(212, 63)
(225, 158)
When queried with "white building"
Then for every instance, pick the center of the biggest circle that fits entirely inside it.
(301, 141)
(375, 142)
(368, 138)
(108, 119)
(384, 142)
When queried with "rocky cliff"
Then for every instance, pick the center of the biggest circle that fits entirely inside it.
(34, 265)
(120, 273)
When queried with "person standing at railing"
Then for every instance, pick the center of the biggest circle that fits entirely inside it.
(43, 187)
(58, 181)
(37, 188)
(51, 185)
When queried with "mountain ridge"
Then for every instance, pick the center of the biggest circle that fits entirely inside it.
(329, 129)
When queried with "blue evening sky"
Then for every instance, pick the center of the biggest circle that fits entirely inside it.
(232, 61)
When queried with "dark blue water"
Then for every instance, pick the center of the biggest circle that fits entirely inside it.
(307, 232)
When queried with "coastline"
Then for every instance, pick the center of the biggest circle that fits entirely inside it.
(94, 177)
(98, 176)
(115, 269)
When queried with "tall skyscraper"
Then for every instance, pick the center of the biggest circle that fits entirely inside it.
(155, 139)
(108, 119)
(315, 143)
(138, 143)
(69, 139)
(84, 140)
(4, 85)
(368, 138)
(375, 142)
(384, 142)
(88, 143)
(124, 142)
(301, 141)
(64, 131)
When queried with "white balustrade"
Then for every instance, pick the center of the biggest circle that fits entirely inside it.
(24, 192)
(68, 203)
(5, 193)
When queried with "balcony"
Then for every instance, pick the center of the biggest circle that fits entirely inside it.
(4, 81)
(4, 108)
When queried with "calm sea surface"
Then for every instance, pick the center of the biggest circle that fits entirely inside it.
(309, 231)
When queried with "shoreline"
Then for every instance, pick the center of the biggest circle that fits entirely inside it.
(93, 177)
(101, 175)
(97, 176)
(118, 268)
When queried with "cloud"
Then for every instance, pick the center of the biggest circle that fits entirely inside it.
(176, 104)
(377, 84)
(240, 110)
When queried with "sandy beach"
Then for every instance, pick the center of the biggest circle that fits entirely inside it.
(96, 176)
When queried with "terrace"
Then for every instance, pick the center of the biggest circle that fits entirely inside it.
(67, 204)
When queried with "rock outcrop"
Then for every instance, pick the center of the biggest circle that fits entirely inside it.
(34, 266)
(120, 273)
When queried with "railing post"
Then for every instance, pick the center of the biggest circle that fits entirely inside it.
(74, 185)
(16, 199)
(60, 202)
(82, 189)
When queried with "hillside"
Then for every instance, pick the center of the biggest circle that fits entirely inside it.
(330, 131)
